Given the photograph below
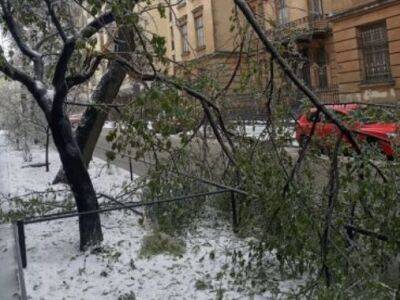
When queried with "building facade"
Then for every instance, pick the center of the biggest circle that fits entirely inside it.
(350, 48)
(366, 37)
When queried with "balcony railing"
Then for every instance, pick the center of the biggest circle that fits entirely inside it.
(309, 25)
(329, 94)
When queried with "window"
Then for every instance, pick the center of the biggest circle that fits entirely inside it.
(374, 47)
(322, 74)
(184, 37)
(305, 67)
(282, 12)
(172, 38)
(199, 27)
(315, 7)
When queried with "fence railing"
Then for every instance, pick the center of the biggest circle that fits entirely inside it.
(220, 189)
(329, 94)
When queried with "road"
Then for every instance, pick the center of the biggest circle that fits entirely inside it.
(140, 168)
(11, 280)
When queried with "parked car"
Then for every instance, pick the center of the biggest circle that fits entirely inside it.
(375, 128)
(75, 119)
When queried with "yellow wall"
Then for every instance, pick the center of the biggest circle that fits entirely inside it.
(349, 57)
(222, 10)
(342, 5)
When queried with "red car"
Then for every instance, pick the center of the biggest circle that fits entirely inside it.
(384, 134)
(75, 119)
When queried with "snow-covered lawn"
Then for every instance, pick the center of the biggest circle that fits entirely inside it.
(58, 270)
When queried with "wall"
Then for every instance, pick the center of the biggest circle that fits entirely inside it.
(338, 6)
(187, 10)
(222, 10)
(348, 60)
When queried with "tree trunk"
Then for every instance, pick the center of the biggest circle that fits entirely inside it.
(89, 131)
(79, 180)
(93, 120)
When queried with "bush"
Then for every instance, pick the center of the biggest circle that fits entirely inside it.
(159, 243)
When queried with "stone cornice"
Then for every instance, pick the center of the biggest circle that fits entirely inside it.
(359, 10)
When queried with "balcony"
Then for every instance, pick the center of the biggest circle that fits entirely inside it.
(306, 28)
(329, 94)
(326, 95)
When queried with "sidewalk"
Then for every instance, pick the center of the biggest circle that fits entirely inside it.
(11, 281)
(11, 278)
(4, 166)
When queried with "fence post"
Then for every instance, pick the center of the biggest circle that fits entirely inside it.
(234, 215)
(21, 242)
(130, 168)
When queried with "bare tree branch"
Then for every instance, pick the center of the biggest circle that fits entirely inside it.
(205, 102)
(234, 73)
(62, 64)
(372, 234)
(333, 189)
(299, 160)
(55, 21)
(37, 90)
(97, 24)
(81, 78)
(17, 36)
(59, 78)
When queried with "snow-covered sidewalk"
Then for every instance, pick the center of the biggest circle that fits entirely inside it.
(4, 167)
(57, 269)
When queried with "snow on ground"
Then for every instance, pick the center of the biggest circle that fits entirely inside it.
(4, 170)
(109, 125)
(58, 270)
(23, 179)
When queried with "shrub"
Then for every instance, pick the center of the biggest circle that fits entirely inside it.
(159, 243)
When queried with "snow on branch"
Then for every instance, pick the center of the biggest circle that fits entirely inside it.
(13, 27)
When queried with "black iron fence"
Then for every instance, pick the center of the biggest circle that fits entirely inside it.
(329, 94)
(220, 189)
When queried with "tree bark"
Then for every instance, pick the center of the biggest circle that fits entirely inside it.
(93, 120)
(89, 129)
(79, 180)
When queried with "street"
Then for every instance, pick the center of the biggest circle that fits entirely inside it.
(140, 167)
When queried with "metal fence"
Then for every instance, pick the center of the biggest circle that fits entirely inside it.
(220, 189)
(329, 94)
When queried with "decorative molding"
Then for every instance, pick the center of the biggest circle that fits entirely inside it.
(362, 9)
